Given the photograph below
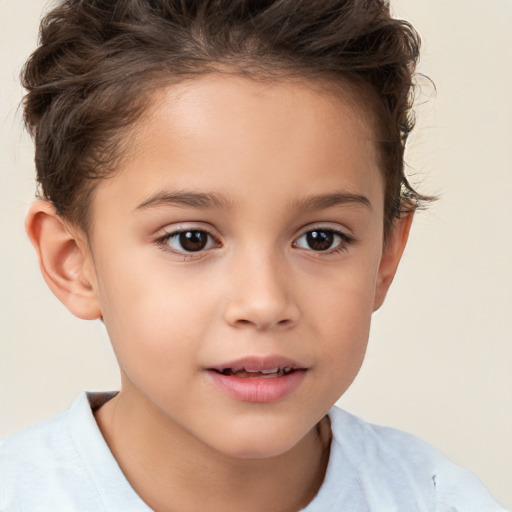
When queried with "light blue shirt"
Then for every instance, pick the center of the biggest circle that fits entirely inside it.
(65, 465)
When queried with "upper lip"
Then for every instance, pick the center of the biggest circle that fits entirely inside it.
(258, 363)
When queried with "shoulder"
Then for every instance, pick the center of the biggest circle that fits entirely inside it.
(401, 469)
(35, 448)
(382, 444)
(42, 467)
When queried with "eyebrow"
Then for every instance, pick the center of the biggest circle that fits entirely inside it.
(207, 201)
(324, 201)
(185, 199)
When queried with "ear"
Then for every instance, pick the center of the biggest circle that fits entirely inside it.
(391, 255)
(64, 260)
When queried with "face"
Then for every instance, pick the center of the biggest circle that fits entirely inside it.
(235, 259)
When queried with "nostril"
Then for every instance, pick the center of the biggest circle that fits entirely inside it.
(283, 323)
(253, 311)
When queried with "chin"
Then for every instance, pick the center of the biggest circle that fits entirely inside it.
(260, 443)
(257, 451)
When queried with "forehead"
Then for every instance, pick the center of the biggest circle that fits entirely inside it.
(240, 137)
(307, 109)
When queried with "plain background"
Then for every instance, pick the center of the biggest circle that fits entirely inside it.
(439, 362)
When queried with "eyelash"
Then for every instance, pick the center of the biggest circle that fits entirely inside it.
(344, 242)
(163, 242)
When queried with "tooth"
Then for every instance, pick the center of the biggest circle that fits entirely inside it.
(273, 370)
(252, 371)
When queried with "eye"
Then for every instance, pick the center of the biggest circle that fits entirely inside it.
(189, 240)
(322, 240)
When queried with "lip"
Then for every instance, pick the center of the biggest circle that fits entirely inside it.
(256, 363)
(258, 389)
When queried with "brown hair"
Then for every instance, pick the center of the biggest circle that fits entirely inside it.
(89, 79)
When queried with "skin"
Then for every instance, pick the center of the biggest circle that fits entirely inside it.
(258, 288)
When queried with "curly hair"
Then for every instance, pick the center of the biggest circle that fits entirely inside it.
(98, 60)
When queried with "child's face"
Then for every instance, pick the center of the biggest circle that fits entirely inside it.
(276, 191)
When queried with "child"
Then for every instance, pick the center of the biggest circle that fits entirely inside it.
(222, 184)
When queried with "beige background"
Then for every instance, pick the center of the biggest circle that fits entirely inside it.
(440, 358)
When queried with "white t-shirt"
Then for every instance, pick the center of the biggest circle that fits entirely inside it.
(64, 464)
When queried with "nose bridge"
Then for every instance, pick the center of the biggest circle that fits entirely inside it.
(261, 292)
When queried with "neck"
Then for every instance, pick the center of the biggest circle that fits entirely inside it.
(173, 471)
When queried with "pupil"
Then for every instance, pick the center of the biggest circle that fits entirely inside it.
(193, 240)
(320, 240)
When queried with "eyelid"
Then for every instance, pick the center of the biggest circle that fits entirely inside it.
(168, 232)
(327, 226)
(164, 234)
(346, 237)
(180, 227)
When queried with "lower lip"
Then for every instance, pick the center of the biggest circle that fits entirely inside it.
(261, 390)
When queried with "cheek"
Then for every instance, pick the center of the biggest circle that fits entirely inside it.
(151, 315)
(347, 330)
(342, 315)
(344, 300)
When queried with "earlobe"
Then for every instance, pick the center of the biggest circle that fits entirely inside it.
(391, 255)
(62, 260)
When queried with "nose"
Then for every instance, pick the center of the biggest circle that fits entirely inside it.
(261, 294)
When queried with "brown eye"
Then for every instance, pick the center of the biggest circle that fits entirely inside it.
(193, 240)
(322, 240)
(190, 241)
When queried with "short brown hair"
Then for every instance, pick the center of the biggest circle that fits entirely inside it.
(97, 60)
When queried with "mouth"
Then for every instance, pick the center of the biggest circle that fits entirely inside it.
(258, 379)
(271, 373)
(267, 367)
